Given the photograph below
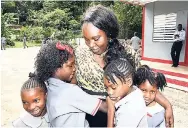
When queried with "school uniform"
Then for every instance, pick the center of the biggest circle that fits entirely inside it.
(131, 111)
(155, 116)
(29, 121)
(67, 104)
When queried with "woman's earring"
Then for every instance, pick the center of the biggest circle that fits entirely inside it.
(110, 40)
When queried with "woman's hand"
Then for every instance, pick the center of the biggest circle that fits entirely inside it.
(169, 117)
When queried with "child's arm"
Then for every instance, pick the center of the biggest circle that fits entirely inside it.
(169, 117)
(111, 111)
(87, 103)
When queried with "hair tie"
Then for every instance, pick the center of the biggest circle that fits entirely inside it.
(31, 75)
(59, 46)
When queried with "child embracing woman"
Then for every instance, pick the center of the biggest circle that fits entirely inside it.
(67, 104)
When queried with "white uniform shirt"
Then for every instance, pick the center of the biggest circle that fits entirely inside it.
(131, 111)
(154, 109)
(24, 39)
(3, 40)
(29, 121)
(181, 35)
(135, 42)
(155, 115)
(67, 104)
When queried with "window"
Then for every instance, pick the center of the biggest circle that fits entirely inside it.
(164, 27)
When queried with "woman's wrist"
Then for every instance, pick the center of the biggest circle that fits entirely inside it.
(167, 105)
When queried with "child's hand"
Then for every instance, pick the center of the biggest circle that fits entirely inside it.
(114, 99)
(111, 111)
(110, 103)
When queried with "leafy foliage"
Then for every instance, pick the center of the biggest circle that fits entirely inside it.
(61, 19)
(129, 18)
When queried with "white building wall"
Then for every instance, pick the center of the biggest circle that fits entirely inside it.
(161, 50)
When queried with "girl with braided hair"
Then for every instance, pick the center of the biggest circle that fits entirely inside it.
(100, 31)
(33, 96)
(150, 83)
(125, 99)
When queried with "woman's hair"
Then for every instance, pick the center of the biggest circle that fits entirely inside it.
(105, 20)
(102, 18)
(145, 73)
(116, 50)
(33, 82)
(120, 68)
(51, 57)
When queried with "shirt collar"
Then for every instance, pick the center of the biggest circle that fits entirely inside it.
(127, 98)
(155, 109)
(57, 82)
(32, 121)
(180, 31)
(46, 118)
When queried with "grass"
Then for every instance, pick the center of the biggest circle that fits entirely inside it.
(19, 44)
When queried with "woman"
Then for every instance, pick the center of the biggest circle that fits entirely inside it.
(100, 30)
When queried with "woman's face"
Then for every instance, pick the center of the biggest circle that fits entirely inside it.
(95, 38)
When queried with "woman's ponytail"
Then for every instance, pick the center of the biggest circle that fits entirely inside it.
(117, 50)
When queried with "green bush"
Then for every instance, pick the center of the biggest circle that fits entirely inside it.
(47, 32)
(38, 41)
(32, 33)
(9, 42)
(60, 35)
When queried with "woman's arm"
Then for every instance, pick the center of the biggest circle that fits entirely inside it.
(169, 117)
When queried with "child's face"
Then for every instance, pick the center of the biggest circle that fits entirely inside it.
(67, 71)
(117, 91)
(149, 92)
(34, 101)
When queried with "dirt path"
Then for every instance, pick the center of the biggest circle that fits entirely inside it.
(17, 63)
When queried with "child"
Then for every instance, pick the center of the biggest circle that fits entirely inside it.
(149, 82)
(130, 109)
(33, 95)
(67, 104)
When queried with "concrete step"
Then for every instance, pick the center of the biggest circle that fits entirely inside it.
(175, 80)
(176, 77)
